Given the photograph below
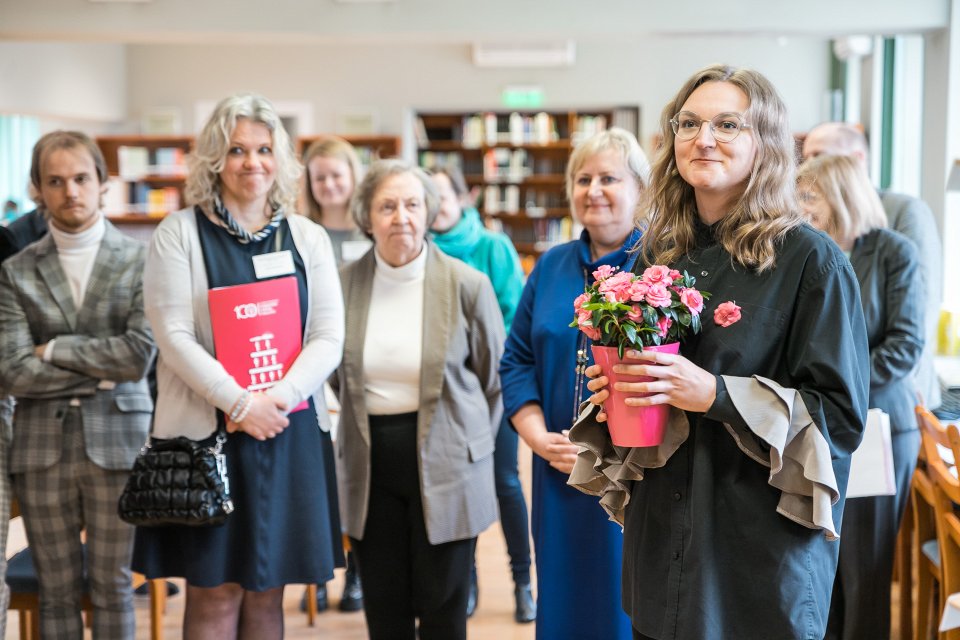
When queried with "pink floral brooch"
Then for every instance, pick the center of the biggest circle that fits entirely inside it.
(726, 314)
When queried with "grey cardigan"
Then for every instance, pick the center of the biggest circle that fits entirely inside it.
(460, 403)
(191, 384)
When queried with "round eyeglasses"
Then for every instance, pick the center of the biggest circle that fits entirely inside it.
(725, 127)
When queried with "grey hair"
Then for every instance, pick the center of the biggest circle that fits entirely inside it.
(209, 155)
(376, 174)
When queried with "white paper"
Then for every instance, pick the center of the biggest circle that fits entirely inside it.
(871, 467)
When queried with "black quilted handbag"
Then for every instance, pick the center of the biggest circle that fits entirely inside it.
(178, 482)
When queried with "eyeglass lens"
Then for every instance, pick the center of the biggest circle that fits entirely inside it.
(725, 126)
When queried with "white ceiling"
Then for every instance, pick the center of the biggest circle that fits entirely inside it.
(453, 21)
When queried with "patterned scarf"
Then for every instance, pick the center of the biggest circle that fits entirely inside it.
(242, 235)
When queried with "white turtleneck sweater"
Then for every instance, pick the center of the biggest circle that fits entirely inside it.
(77, 253)
(392, 350)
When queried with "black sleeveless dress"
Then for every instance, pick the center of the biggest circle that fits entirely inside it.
(286, 526)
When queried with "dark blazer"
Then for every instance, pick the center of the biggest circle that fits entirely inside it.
(460, 405)
(893, 294)
(105, 339)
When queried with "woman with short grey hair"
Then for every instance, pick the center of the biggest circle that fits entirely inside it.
(420, 406)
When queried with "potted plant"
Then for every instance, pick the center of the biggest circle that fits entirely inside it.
(623, 310)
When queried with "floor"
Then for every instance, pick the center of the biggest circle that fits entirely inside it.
(492, 621)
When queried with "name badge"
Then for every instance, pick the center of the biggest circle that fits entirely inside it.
(271, 265)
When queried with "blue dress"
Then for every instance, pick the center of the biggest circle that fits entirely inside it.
(578, 550)
(285, 528)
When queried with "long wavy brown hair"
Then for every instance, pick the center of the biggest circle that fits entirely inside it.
(767, 208)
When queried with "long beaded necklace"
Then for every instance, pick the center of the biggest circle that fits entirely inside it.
(581, 365)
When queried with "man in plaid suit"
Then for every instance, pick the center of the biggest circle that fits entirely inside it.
(75, 348)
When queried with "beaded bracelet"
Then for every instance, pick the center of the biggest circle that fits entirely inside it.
(239, 405)
(246, 409)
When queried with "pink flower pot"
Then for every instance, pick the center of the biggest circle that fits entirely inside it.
(632, 426)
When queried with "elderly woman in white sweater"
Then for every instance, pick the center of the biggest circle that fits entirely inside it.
(420, 405)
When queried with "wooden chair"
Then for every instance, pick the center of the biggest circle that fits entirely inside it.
(946, 503)
(903, 570)
(25, 599)
(925, 546)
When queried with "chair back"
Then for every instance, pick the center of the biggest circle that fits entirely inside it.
(941, 467)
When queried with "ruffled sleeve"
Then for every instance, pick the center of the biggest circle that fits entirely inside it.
(796, 451)
(604, 469)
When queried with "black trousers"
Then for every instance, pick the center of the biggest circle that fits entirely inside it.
(404, 577)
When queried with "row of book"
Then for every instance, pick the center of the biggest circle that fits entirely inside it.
(136, 162)
(516, 129)
(130, 196)
(542, 234)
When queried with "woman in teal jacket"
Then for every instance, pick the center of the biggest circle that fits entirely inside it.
(459, 232)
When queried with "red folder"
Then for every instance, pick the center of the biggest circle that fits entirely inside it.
(256, 331)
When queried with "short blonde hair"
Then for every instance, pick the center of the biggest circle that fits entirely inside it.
(328, 147)
(855, 207)
(206, 160)
(614, 139)
(377, 173)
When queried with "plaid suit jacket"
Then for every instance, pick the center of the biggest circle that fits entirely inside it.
(107, 338)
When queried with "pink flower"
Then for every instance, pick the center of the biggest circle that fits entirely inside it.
(635, 313)
(616, 288)
(674, 274)
(657, 274)
(664, 325)
(693, 300)
(658, 296)
(638, 290)
(726, 314)
(582, 298)
(603, 272)
(591, 332)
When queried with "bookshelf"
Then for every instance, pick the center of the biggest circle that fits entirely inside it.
(146, 176)
(147, 173)
(516, 161)
(368, 147)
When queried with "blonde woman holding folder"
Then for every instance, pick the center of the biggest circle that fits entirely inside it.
(242, 184)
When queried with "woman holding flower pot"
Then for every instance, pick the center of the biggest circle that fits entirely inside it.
(420, 407)
(837, 196)
(577, 550)
(731, 525)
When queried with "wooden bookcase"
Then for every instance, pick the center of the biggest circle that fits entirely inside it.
(147, 174)
(516, 161)
(144, 168)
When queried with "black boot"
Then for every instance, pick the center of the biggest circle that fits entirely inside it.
(526, 610)
(472, 596)
(352, 599)
(321, 598)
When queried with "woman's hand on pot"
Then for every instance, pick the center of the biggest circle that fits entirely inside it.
(598, 384)
(677, 381)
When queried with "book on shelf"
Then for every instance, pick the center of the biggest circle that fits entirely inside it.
(256, 331)
(169, 161)
(133, 162)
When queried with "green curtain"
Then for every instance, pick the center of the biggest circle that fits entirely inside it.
(18, 134)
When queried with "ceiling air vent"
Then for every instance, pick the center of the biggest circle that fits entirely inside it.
(549, 54)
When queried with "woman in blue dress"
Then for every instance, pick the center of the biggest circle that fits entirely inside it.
(284, 528)
(578, 551)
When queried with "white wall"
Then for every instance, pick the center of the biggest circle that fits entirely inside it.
(64, 81)
(441, 76)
